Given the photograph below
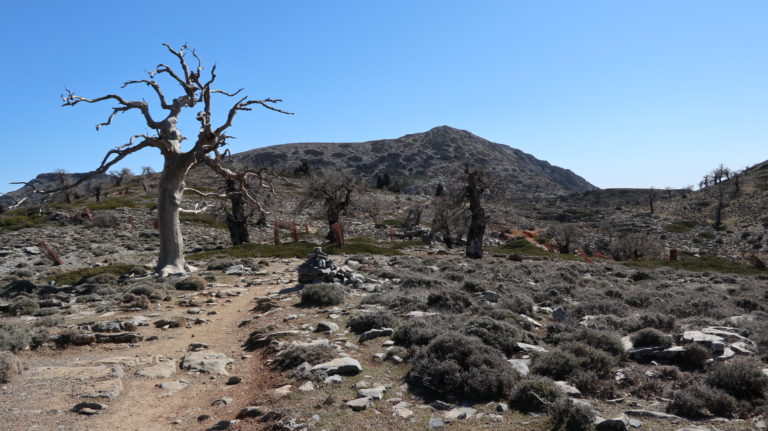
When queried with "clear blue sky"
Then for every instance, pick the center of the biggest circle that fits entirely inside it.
(624, 93)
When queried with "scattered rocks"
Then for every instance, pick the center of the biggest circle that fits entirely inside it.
(223, 401)
(359, 404)
(344, 366)
(125, 337)
(224, 425)
(206, 362)
(460, 413)
(375, 333)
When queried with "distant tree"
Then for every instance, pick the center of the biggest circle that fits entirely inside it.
(146, 172)
(302, 170)
(564, 235)
(669, 192)
(96, 189)
(64, 183)
(120, 176)
(477, 184)
(652, 198)
(334, 192)
(206, 149)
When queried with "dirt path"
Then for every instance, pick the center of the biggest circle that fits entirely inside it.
(42, 398)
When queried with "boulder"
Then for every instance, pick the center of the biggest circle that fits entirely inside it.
(206, 361)
(345, 366)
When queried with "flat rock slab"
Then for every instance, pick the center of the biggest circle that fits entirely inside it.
(650, 414)
(359, 404)
(163, 370)
(206, 362)
(125, 337)
(174, 386)
(129, 361)
(41, 373)
(522, 366)
(107, 389)
(531, 348)
(376, 393)
(375, 333)
(345, 366)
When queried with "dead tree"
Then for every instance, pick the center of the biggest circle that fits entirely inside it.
(651, 198)
(63, 180)
(197, 91)
(146, 172)
(120, 176)
(334, 193)
(564, 235)
(477, 184)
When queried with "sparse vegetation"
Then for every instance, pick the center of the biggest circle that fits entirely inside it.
(297, 354)
(322, 294)
(79, 276)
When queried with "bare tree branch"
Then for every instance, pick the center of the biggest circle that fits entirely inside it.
(155, 86)
(71, 99)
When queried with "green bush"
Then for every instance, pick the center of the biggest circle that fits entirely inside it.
(650, 337)
(497, 334)
(590, 358)
(557, 364)
(13, 337)
(193, 282)
(681, 226)
(458, 367)
(374, 320)
(322, 294)
(10, 366)
(296, 355)
(741, 377)
(698, 400)
(693, 357)
(572, 415)
(23, 306)
(534, 394)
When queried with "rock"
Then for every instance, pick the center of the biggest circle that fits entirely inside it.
(375, 333)
(650, 414)
(435, 423)
(163, 370)
(307, 387)
(174, 386)
(376, 393)
(327, 327)
(460, 413)
(502, 407)
(441, 405)
(283, 391)
(333, 379)
(531, 320)
(403, 411)
(224, 425)
(250, 412)
(616, 424)
(567, 389)
(521, 366)
(125, 337)
(234, 380)
(345, 366)
(742, 348)
(223, 401)
(531, 348)
(359, 404)
(33, 250)
(560, 315)
(715, 343)
(206, 362)
(109, 389)
(89, 408)
(196, 347)
(238, 270)
(165, 323)
(203, 418)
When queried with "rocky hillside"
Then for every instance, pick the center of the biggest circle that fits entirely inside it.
(422, 160)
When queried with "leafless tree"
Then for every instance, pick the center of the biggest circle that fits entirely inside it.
(146, 172)
(120, 176)
(477, 184)
(632, 246)
(450, 216)
(206, 149)
(564, 235)
(652, 198)
(333, 192)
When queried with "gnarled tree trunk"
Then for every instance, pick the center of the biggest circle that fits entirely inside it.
(237, 219)
(170, 190)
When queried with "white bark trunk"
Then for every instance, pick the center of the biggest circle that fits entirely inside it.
(171, 259)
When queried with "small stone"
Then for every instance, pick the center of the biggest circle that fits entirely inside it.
(340, 366)
(359, 404)
(307, 387)
(567, 389)
(441, 405)
(376, 393)
(375, 333)
(223, 401)
(333, 379)
(234, 380)
(224, 425)
(560, 315)
(202, 418)
(460, 413)
(327, 327)
(250, 412)
(615, 424)
(502, 407)
(89, 408)
(435, 423)
(283, 390)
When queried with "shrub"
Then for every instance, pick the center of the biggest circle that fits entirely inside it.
(193, 282)
(23, 306)
(377, 319)
(417, 332)
(557, 364)
(591, 385)
(693, 357)
(135, 301)
(572, 415)
(13, 337)
(102, 278)
(143, 289)
(743, 378)
(519, 303)
(650, 337)
(449, 300)
(534, 394)
(662, 322)
(322, 294)
(9, 366)
(18, 286)
(455, 366)
(601, 306)
(590, 358)
(500, 335)
(695, 401)
(296, 355)
(606, 341)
